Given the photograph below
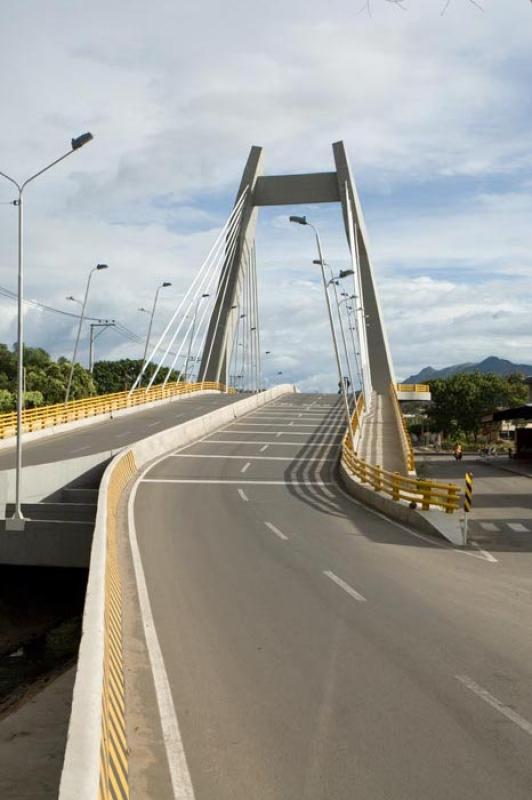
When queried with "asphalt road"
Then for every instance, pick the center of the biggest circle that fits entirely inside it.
(501, 516)
(314, 650)
(113, 434)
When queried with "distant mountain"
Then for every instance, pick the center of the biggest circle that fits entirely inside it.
(500, 366)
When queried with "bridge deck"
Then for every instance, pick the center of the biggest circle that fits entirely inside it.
(310, 648)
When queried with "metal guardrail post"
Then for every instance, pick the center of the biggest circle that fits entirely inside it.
(396, 478)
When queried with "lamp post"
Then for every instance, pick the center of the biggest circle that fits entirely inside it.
(17, 521)
(334, 282)
(163, 285)
(303, 221)
(97, 268)
(198, 301)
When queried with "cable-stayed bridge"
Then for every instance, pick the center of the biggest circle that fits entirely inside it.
(252, 628)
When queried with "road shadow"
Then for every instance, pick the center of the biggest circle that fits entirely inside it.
(303, 476)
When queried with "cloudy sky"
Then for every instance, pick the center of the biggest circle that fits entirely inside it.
(435, 112)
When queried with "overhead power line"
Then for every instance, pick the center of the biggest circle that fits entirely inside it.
(123, 330)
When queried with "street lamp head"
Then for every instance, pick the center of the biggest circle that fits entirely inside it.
(267, 352)
(205, 295)
(166, 283)
(102, 266)
(70, 297)
(345, 272)
(145, 310)
(298, 220)
(79, 141)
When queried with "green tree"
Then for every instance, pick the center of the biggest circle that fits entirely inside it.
(118, 376)
(460, 401)
(7, 401)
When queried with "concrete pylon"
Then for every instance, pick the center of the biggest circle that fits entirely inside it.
(223, 323)
(271, 190)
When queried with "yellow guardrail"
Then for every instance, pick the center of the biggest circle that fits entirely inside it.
(406, 441)
(425, 493)
(355, 421)
(413, 387)
(35, 419)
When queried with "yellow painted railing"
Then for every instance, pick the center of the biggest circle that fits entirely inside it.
(413, 387)
(424, 493)
(406, 441)
(355, 421)
(35, 419)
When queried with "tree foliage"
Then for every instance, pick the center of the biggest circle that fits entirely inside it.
(46, 379)
(459, 402)
(117, 376)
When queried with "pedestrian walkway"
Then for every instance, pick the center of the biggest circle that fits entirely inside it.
(380, 441)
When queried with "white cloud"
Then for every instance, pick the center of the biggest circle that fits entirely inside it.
(175, 95)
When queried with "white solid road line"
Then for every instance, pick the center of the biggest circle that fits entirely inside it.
(345, 586)
(246, 467)
(517, 527)
(173, 743)
(275, 530)
(243, 495)
(213, 481)
(313, 443)
(485, 553)
(492, 701)
(244, 458)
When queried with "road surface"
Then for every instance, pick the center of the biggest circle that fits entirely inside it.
(312, 649)
(113, 434)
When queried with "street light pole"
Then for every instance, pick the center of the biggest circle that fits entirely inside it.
(303, 221)
(97, 268)
(334, 281)
(148, 335)
(17, 520)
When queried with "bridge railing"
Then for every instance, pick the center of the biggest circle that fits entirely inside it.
(426, 494)
(420, 388)
(406, 441)
(356, 422)
(36, 419)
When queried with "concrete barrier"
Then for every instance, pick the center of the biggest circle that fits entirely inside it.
(88, 751)
(431, 522)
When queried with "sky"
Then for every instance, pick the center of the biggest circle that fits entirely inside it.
(435, 111)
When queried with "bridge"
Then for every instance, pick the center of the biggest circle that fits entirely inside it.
(278, 605)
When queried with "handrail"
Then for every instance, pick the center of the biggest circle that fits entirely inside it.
(406, 442)
(422, 492)
(426, 493)
(355, 421)
(35, 419)
(413, 387)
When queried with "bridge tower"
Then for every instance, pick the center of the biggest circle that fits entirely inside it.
(290, 190)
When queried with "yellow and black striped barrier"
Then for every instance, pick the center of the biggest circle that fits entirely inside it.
(468, 499)
(114, 752)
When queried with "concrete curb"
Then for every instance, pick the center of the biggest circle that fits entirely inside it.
(431, 522)
(81, 768)
(65, 427)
